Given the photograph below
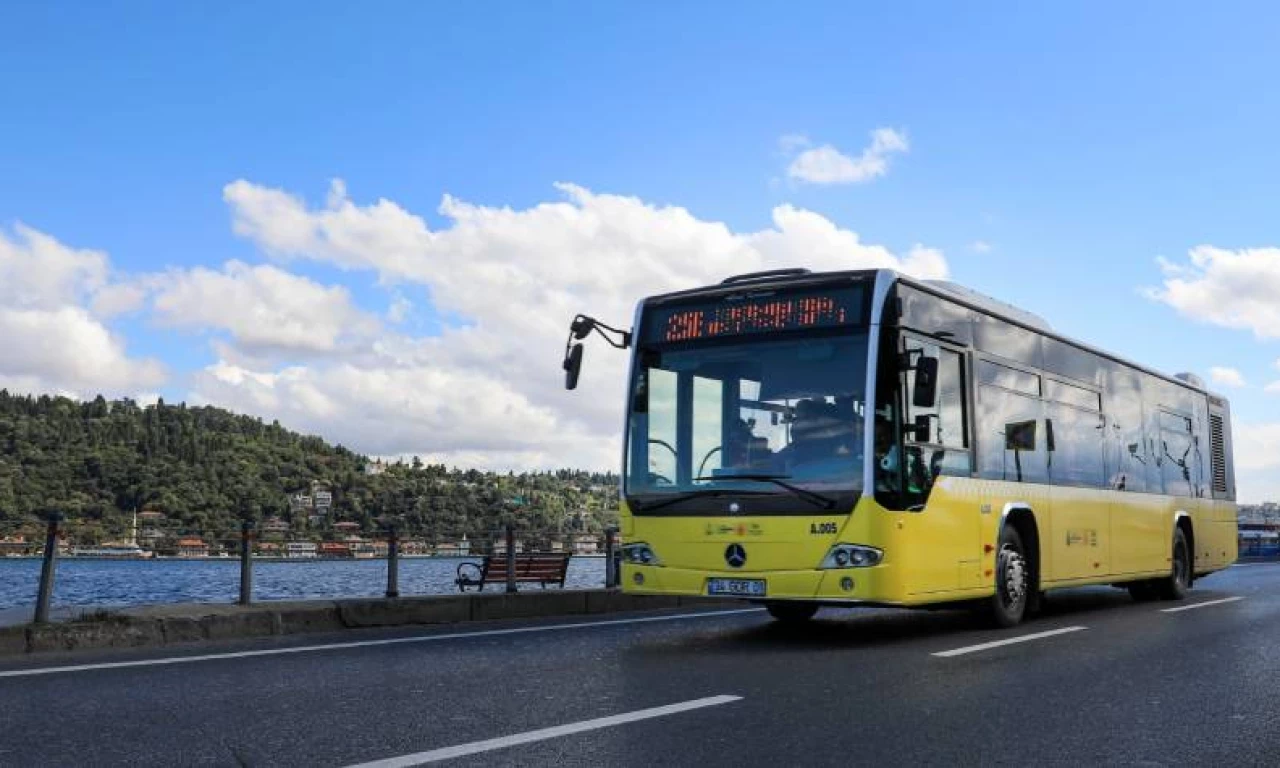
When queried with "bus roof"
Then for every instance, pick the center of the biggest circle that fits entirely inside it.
(946, 290)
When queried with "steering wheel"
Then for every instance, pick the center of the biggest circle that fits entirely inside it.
(703, 463)
(654, 476)
(664, 444)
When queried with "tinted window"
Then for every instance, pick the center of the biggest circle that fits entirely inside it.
(1128, 456)
(1010, 442)
(1177, 458)
(946, 417)
(1075, 439)
(932, 315)
(1008, 341)
(1065, 360)
(1009, 378)
(941, 449)
(1072, 395)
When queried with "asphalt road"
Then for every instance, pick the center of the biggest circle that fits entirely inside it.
(1101, 680)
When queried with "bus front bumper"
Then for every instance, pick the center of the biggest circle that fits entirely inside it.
(875, 584)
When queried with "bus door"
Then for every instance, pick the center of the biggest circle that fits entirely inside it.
(1076, 438)
(945, 529)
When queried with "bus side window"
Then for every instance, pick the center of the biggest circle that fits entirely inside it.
(940, 443)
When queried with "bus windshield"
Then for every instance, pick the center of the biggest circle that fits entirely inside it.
(739, 417)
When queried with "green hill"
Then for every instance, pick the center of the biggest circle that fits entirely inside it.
(204, 468)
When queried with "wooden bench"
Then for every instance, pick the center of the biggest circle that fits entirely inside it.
(530, 567)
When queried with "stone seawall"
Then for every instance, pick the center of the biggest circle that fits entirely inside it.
(161, 625)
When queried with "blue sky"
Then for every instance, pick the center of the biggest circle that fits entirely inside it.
(1080, 144)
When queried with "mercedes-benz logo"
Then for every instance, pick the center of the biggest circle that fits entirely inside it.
(735, 555)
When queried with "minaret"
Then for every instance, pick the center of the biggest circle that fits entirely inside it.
(133, 535)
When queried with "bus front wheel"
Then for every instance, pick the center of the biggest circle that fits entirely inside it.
(791, 613)
(1013, 580)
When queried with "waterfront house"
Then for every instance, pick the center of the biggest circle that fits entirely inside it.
(414, 547)
(460, 548)
(16, 546)
(586, 544)
(347, 526)
(500, 546)
(192, 546)
(333, 549)
(268, 549)
(275, 525)
(300, 550)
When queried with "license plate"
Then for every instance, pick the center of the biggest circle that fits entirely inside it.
(737, 587)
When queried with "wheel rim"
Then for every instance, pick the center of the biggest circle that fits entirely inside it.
(1013, 582)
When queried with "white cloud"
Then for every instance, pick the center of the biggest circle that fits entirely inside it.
(38, 272)
(399, 309)
(828, 165)
(492, 386)
(980, 246)
(1256, 450)
(1234, 289)
(1226, 377)
(1272, 388)
(67, 351)
(266, 309)
(52, 341)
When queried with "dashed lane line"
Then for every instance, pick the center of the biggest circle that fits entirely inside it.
(542, 734)
(1201, 605)
(1007, 641)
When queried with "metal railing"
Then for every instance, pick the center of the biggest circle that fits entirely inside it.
(252, 543)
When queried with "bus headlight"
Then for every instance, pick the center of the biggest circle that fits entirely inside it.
(851, 556)
(639, 554)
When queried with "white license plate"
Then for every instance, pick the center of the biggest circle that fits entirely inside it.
(736, 587)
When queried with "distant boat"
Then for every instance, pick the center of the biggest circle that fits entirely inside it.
(115, 551)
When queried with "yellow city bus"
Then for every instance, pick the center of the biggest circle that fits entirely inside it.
(1005, 459)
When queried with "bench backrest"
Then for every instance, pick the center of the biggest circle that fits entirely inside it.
(529, 567)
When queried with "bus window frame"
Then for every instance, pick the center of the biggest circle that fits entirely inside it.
(966, 356)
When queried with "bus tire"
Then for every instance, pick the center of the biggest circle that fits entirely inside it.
(1175, 586)
(1013, 580)
(791, 613)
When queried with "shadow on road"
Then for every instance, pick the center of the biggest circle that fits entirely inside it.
(837, 628)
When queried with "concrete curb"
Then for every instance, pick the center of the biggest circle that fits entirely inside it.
(161, 625)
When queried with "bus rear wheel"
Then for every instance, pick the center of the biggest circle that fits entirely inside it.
(1175, 586)
(791, 613)
(1013, 581)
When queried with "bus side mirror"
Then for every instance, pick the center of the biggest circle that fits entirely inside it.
(925, 392)
(572, 366)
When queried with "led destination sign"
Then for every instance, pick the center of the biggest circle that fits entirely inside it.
(737, 316)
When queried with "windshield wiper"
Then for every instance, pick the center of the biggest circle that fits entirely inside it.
(817, 499)
(694, 494)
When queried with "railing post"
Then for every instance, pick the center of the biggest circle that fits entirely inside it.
(47, 570)
(610, 558)
(511, 558)
(246, 562)
(393, 563)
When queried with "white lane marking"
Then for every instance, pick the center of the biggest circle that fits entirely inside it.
(1250, 565)
(1201, 605)
(488, 745)
(368, 643)
(1007, 641)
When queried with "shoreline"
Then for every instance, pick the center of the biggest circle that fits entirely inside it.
(256, 558)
